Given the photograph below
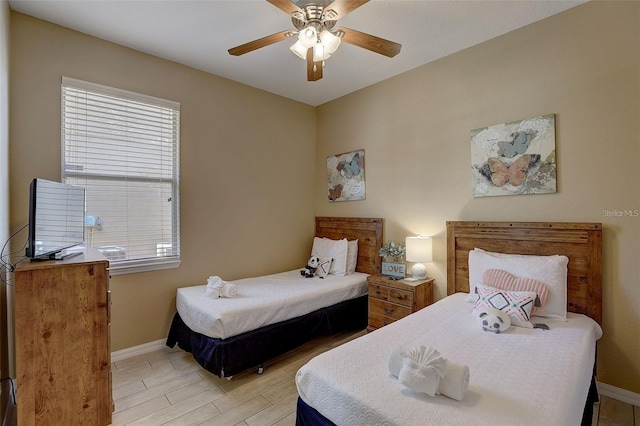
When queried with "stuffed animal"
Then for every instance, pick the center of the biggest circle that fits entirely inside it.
(493, 320)
(310, 270)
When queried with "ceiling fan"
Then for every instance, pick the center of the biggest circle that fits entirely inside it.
(314, 22)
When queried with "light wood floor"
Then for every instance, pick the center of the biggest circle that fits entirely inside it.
(167, 387)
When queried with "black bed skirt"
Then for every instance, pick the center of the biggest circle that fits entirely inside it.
(226, 357)
(309, 416)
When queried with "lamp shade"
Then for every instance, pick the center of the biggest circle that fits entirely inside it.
(320, 53)
(330, 41)
(299, 50)
(419, 249)
(308, 36)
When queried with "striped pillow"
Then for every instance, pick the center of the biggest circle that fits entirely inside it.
(497, 278)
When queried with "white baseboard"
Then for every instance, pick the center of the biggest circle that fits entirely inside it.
(138, 350)
(619, 394)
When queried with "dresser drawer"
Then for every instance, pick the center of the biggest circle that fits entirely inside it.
(379, 307)
(378, 292)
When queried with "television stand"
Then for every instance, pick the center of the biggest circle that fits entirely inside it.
(62, 348)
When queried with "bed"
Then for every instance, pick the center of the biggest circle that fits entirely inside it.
(278, 312)
(521, 376)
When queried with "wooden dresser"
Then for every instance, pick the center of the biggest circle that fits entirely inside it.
(62, 341)
(391, 300)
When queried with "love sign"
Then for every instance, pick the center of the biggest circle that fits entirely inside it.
(394, 269)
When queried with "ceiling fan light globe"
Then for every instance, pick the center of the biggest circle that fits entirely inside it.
(299, 50)
(308, 37)
(330, 41)
(320, 53)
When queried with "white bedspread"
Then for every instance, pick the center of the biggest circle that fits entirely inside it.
(522, 376)
(263, 301)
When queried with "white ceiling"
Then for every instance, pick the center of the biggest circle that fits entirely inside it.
(198, 33)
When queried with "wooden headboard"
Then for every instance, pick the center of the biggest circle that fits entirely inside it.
(580, 242)
(368, 232)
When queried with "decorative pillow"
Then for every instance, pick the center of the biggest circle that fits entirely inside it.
(493, 320)
(551, 270)
(516, 304)
(352, 256)
(497, 278)
(324, 266)
(326, 248)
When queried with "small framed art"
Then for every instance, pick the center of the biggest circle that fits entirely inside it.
(394, 269)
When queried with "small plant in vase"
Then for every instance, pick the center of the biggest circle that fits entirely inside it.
(393, 251)
(393, 255)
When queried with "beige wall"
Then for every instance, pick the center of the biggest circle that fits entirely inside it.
(583, 66)
(4, 191)
(247, 161)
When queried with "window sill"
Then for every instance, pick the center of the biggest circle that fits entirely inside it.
(124, 267)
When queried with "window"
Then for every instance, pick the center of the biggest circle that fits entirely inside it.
(123, 148)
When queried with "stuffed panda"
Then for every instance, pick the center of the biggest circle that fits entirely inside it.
(310, 270)
(493, 320)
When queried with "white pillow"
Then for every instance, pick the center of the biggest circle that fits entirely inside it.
(352, 256)
(326, 248)
(551, 270)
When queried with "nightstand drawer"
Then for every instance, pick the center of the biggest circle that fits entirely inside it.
(401, 296)
(378, 292)
(379, 307)
(377, 321)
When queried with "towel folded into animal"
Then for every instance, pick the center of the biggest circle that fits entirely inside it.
(423, 369)
(218, 288)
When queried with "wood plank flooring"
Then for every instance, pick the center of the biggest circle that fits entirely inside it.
(167, 387)
(611, 412)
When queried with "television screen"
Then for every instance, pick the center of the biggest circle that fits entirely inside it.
(56, 218)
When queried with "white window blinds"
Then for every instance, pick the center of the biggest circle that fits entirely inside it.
(123, 148)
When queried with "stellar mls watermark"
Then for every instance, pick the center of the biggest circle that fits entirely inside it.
(621, 213)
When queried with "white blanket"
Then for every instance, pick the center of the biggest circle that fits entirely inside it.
(522, 376)
(262, 301)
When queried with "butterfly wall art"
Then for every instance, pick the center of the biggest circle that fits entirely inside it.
(514, 158)
(345, 176)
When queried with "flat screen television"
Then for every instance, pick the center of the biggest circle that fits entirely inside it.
(56, 219)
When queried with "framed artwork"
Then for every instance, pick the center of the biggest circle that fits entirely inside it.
(345, 176)
(514, 158)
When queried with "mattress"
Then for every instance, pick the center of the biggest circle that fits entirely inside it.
(522, 376)
(264, 300)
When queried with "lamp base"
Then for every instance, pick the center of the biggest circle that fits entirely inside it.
(419, 271)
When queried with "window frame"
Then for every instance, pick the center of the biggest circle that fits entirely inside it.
(136, 265)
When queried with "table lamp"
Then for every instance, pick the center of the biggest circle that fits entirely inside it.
(419, 250)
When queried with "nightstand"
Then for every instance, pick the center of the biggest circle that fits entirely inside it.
(391, 300)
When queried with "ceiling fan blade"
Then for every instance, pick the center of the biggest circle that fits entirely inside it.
(344, 7)
(261, 42)
(371, 42)
(314, 69)
(287, 6)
